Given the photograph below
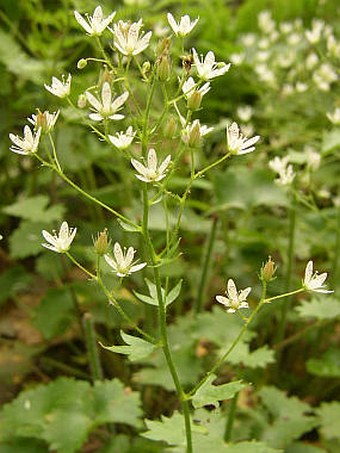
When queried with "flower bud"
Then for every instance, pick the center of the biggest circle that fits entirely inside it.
(268, 270)
(102, 243)
(146, 68)
(194, 100)
(82, 63)
(82, 101)
(164, 68)
(170, 127)
(195, 135)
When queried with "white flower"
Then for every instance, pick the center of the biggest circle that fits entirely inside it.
(208, 68)
(184, 27)
(127, 39)
(314, 281)
(313, 158)
(237, 143)
(190, 86)
(95, 24)
(60, 243)
(285, 170)
(314, 35)
(334, 117)
(152, 171)
(193, 132)
(106, 107)
(234, 300)
(265, 21)
(28, 144)
(122, 263)
(44, 120)
(60, 88)
(123, 140)
(245, 112)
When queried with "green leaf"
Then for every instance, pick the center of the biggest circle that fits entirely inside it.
(128, 227)
(153, 298)
(170, 430)
(326, 366)
(138, 348)
(23, 446)
(329, 415)
(259, 358)
(12, 281)
(212, 394)
(244, 188)
(55, 313)
(330, 141)
(327, 307)
(301, 447)
(64, 412)
(26, 240)
(35, 209)
(287, 418)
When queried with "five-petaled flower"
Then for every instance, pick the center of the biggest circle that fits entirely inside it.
(314, 281)
(60, 88)
(28, 144)
(151, 172)
(95, 24)
(184, 27)
(127, 40)
(234, 300)
(284, 170)
(123, 140)
(106, 107)
(237, 143)
(207, 68)
(60, 242)
(44, 120)
(122, 262)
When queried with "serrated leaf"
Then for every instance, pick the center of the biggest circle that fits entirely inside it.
(137, 348)
(170, 430)
(212, 394)
(64, 412)
(259, 358)
(55, 313)
(329, 414)
(320, 308)
(327, 365)
(35, 209)
(289, 419)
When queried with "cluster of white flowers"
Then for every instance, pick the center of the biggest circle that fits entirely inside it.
(284, 169)
(289, 48)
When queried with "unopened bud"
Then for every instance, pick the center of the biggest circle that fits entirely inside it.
(102, 243)
(170, 127)
(105, 76)
(82, 63)
(195, 135)
(164, 68)
(81, 103)
(268, 270)
(194, 100)
(146, 68)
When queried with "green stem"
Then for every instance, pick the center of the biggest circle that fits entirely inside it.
(290, 257)
(206, 265)
(162, 323)
(92, 350)
(106, 58)
(234, 343)
(231, 418)
(291, 293)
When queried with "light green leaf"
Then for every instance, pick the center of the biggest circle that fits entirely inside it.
(212, 394)
(326, 307)
(302, 447)
(35, 209)
(170, 430)
(26, 240)
(330, 141)
(329, 414)
(138, 348)
(326, 366)
(259, 358)
(153, 298)
(128, 227)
